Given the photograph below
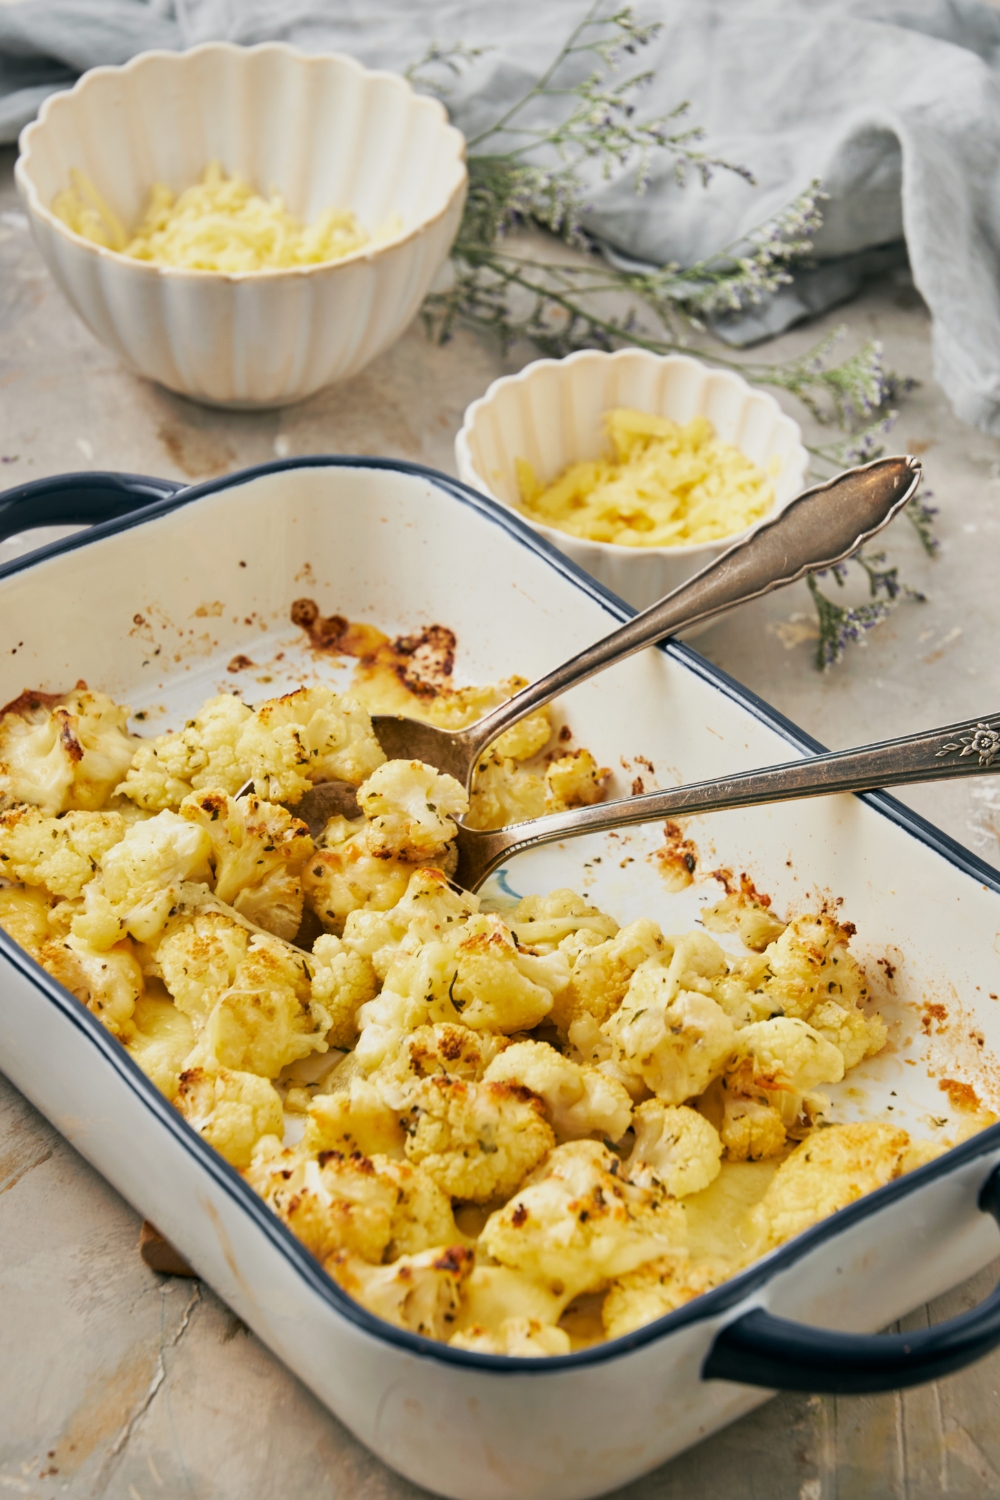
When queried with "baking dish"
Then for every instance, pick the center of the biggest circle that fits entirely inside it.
(153, 606)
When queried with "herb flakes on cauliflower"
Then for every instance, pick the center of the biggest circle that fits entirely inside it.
(257, 853)
(230, 1110)
(410, 809)
(655, 1289)
(60, 853)
(476, 1140)
(311, 735)
(579, 1101)
(421, 1293)
(675, 1148)
(577, 1223)
(203, 754)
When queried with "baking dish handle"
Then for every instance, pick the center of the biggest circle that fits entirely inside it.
(761, 1349)
(78, 499)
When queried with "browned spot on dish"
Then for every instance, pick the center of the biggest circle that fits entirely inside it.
(960, 1095)
(240, 663)
(335, 633)
(421, 663)
(678, 859)
(933, 1012)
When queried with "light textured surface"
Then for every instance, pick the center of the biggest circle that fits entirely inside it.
(118, 1383)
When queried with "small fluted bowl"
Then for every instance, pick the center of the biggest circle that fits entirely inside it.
(551, 414)
(322, 131)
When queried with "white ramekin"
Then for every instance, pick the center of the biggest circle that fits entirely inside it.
(551, 414)
(324, 132)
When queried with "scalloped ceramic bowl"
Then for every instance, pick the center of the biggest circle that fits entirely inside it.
(551, 414)
(321, 130)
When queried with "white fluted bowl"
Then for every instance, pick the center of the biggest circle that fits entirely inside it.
(551, 414)
(321, 130)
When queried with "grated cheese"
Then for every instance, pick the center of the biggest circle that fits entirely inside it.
(220, 223)
(665, 485)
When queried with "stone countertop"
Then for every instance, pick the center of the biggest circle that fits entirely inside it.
(116, 1382)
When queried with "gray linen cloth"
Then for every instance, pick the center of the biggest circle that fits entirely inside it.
(893, 104)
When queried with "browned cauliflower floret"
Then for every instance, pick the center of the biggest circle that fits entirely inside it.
(62, 751)
(525, 738)
(198, 956)
(257, 854)
(809, 963)
(107, 981)
(410, 809)
(331, 1202)
(505, 792)
(789, 1057)
(428, 911)
(342, 981)
(675, 1148)
(141, 878)
(854, 1034)
(750, 1127)
(354, 1119)
(579, 1101)
(265, 1019)
(307, 736)
(576, 1222)
(203, 754)
(162, 1040)
(829, 1170)
(675, 1039)
(418, 1292)
(656, 1289)
(747, 913)
(372, 1207)
(446, 1049)
(524, 1337)
(61, 854)
(601, 972)
(346, 877)
(574, 780)
(544, 922)
(476, 1140)
(232, 1111)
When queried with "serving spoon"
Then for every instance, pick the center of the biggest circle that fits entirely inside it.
(969, 749)
(822, 526)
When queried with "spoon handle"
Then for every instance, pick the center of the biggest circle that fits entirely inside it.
(822, 526)
(968, 749)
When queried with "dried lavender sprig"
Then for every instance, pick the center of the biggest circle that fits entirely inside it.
(840, 627)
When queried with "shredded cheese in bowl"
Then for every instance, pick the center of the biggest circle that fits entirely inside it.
(220, 223)
(665, 485)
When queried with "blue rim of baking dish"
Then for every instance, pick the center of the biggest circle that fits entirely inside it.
(83, 497)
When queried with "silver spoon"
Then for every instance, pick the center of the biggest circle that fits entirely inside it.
(968, 749)
(822, 526)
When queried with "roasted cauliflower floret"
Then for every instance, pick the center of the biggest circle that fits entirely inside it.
(257, 854)
(355, 1119)
(809, 963)
(63, 751)
(601, 972)
(369, 1206)
(655, 1289)
(476, 1140)
(577, 1222)
(410, 809)
(574, 780)
(346, 877)
(789, 1056)
(675, 1148)
(197, 956)
(330, 1202)
(141, 879)
(342, 981)
(454, 1051)
(232, 1111)
(750, 1127)
(854, 1034)
(523, 1337)
(579, 1101)
(61, 854)
(420, 1293)
(265, 1019)
(676, 1040)
(829, 1170)
(107, 981)
(203, 754)
(310, 735)
(428, 911)
(746, 913)
(504, 792)
(161, 1042)
(526, 738)
(542, 923)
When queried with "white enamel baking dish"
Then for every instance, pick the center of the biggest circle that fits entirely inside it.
(152, 606)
